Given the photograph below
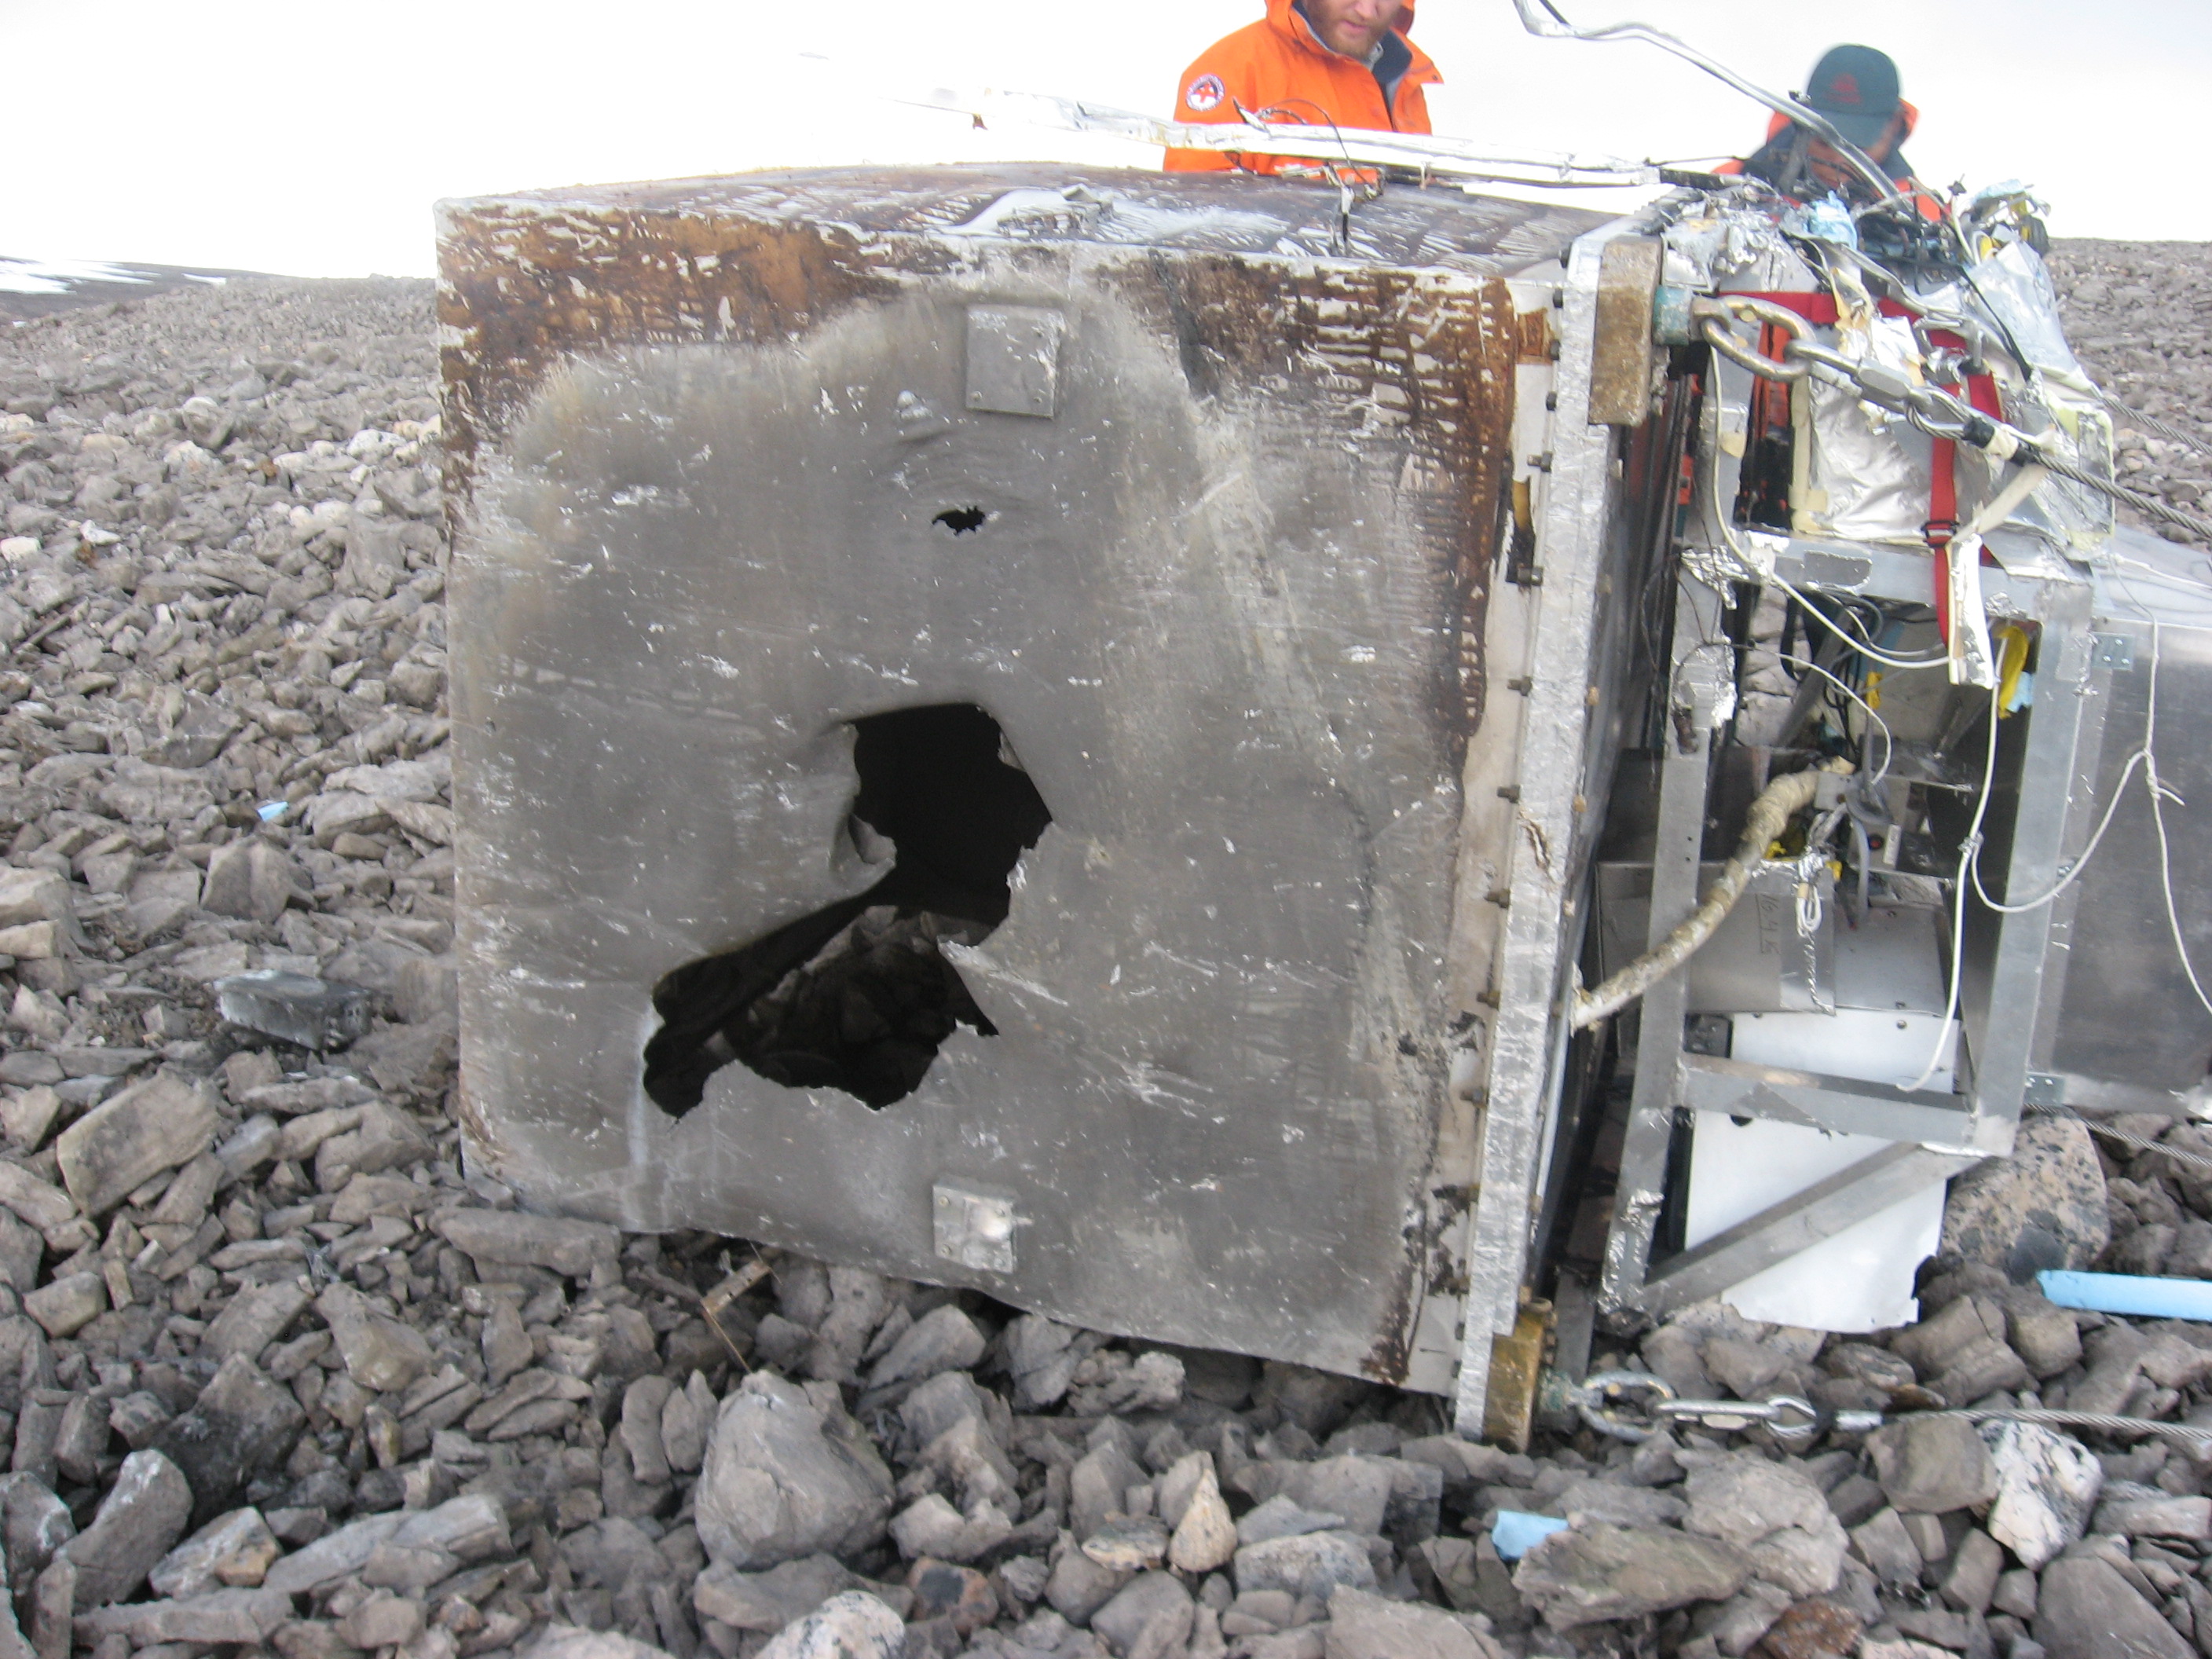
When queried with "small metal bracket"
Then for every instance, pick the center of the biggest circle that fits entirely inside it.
(975, 1229)
(1014, 360)
(2115, 652)
(2044, 1088)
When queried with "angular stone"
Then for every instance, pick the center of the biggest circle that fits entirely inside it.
(385, 1621)
(1078, 1586)
(1816, 1629)
(1364, 1626)
(1886, 1545)
(777, 1484)
(124, 1142)
(1042, 1357)
(28, 1114)
(851, 1625)
(959, 1596)
(1975, 1565)
(1153, 1607)
(1281, 1518)
(685, 1422)
(1311, 1563)
(2046, 1488)
(768, 1600)
(511, 1238)
(1594, 1573)
(233, 1551)
(2154, 1515)
(380, 1351)
(256, 1316)
(2087, 1610)
(1128, 1543)
(69, 1304)
(569, 1642)
(1205, 1537)
(254, 880)
(46, 1207)
(1776, 1514)
(141, 1517)
(1932, 1465)
(2046, 1337)
(943, 1339)
(242, 1424)
(2043, 1206)
(33, 896)
(229, 1618)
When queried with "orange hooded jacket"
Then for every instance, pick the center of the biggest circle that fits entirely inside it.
(1277, 69)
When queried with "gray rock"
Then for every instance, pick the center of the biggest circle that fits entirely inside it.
(942, 1402)
(2047, 1489)
(685, 1422)
(776, 1484)
(2149, 1513)
(943, 1339)
(1364, 1626)
(241, 1425)
(851, 1625)
(227, 1618)
(1357, 1488)
(256, 1316)
(1311, 1564)
(1886, 1545)
(68, 1305)
(38, 1525)
(252, 880)
(1078, 1586)
(1153, 1607)
(124, 1142)
(1282, 1518)
(1042, 1357)
(1930, 1465)
(1127, 1543)
(2087, 1610)
(1098, 1487)
(380, 1352)
(511, 1238)
(768, 1600)
(1595, 1573)
(2044, 1207)
(141, 1517)
(1589, 1500)
(1975, 1566)
(2046, 1337)
(1776, 1515)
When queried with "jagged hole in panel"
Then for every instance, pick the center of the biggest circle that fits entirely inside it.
(858, 996)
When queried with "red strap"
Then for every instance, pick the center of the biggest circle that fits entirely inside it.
(1942, 523)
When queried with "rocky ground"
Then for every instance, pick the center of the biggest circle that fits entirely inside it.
(278, 1374)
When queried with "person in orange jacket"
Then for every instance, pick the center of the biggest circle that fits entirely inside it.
(1857, 89)
(1315, 63)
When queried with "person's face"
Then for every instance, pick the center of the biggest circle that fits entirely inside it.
(1352, 26)
(1829, 167)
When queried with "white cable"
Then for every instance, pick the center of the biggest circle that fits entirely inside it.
(2159, 794)
(1967, 850)
(1752, 574)
(1888, 741)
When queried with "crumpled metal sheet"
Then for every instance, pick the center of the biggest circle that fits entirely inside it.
(1227, 603)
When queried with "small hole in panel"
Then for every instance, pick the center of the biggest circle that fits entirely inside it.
(962, 520)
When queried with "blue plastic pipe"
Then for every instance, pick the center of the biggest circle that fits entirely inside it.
(1515, 1532)
(2126, 1293)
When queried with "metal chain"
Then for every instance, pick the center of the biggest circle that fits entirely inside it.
(1633, 1405)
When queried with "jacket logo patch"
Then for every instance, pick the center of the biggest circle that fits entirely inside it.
(1205, 93)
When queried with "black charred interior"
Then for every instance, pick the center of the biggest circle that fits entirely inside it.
(857, 995)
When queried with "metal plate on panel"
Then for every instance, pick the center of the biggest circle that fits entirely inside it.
(1014, 360)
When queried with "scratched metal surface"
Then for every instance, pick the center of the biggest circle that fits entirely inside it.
(1228, 607)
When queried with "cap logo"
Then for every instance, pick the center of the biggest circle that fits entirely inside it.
(1205, 93)
(1844, 89)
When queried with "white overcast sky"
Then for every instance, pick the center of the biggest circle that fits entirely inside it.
(311, 138)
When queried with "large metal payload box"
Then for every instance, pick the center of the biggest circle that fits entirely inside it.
(991, 711)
